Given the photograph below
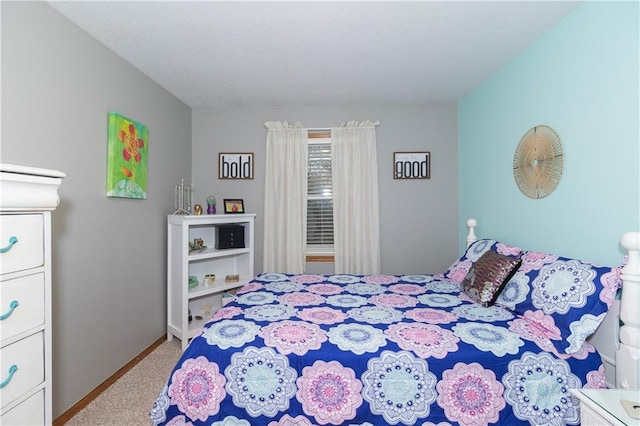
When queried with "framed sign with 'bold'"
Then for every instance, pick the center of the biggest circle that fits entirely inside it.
(235, 165)
(412, 165)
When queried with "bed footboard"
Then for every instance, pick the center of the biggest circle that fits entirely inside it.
(471, 234)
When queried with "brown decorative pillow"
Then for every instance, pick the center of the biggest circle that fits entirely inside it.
(488, 275)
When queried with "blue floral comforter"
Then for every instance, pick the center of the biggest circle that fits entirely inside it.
(371, 350)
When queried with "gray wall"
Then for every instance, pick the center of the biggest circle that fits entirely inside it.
(109, 298)
(419, 219)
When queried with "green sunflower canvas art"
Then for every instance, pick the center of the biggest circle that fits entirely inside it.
(128, 146)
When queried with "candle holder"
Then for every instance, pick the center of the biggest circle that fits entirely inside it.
(182, 197)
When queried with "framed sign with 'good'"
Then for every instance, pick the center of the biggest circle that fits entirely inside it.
(412, 165)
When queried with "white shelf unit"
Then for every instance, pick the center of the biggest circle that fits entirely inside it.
(204, 299)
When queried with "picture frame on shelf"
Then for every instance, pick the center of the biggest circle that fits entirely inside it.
(233, 206)
(412, 165)
(232, 278)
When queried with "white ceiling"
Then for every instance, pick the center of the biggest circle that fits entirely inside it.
(238, 53)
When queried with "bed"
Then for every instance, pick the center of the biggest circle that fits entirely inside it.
(498, 338)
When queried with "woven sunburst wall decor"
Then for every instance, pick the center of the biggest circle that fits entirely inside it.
(537, 162)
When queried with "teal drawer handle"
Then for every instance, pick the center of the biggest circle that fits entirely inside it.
(12, 306)
(12, 371)
(6, 248)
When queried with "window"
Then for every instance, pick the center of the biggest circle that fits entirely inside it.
(319, 198)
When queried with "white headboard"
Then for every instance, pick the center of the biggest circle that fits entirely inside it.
(628, 355)
(607, 340)
(618, 345)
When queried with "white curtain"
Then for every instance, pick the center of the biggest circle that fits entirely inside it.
(356, 219)
(285, 198)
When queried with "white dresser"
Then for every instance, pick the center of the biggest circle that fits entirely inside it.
(27, 197)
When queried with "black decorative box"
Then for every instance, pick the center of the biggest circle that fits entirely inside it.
(230, 236)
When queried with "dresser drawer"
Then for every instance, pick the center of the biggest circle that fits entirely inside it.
(28, 251)
(28, 356)
(22, 304)
(29, 412)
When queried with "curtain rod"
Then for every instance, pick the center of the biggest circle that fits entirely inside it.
(326, 129)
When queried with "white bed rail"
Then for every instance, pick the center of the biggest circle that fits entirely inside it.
(628, 354)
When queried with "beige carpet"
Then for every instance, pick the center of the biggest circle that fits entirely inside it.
(129, 400)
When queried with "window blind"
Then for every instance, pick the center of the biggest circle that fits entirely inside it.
(319, 194)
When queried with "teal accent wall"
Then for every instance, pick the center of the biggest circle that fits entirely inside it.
(582, 79)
